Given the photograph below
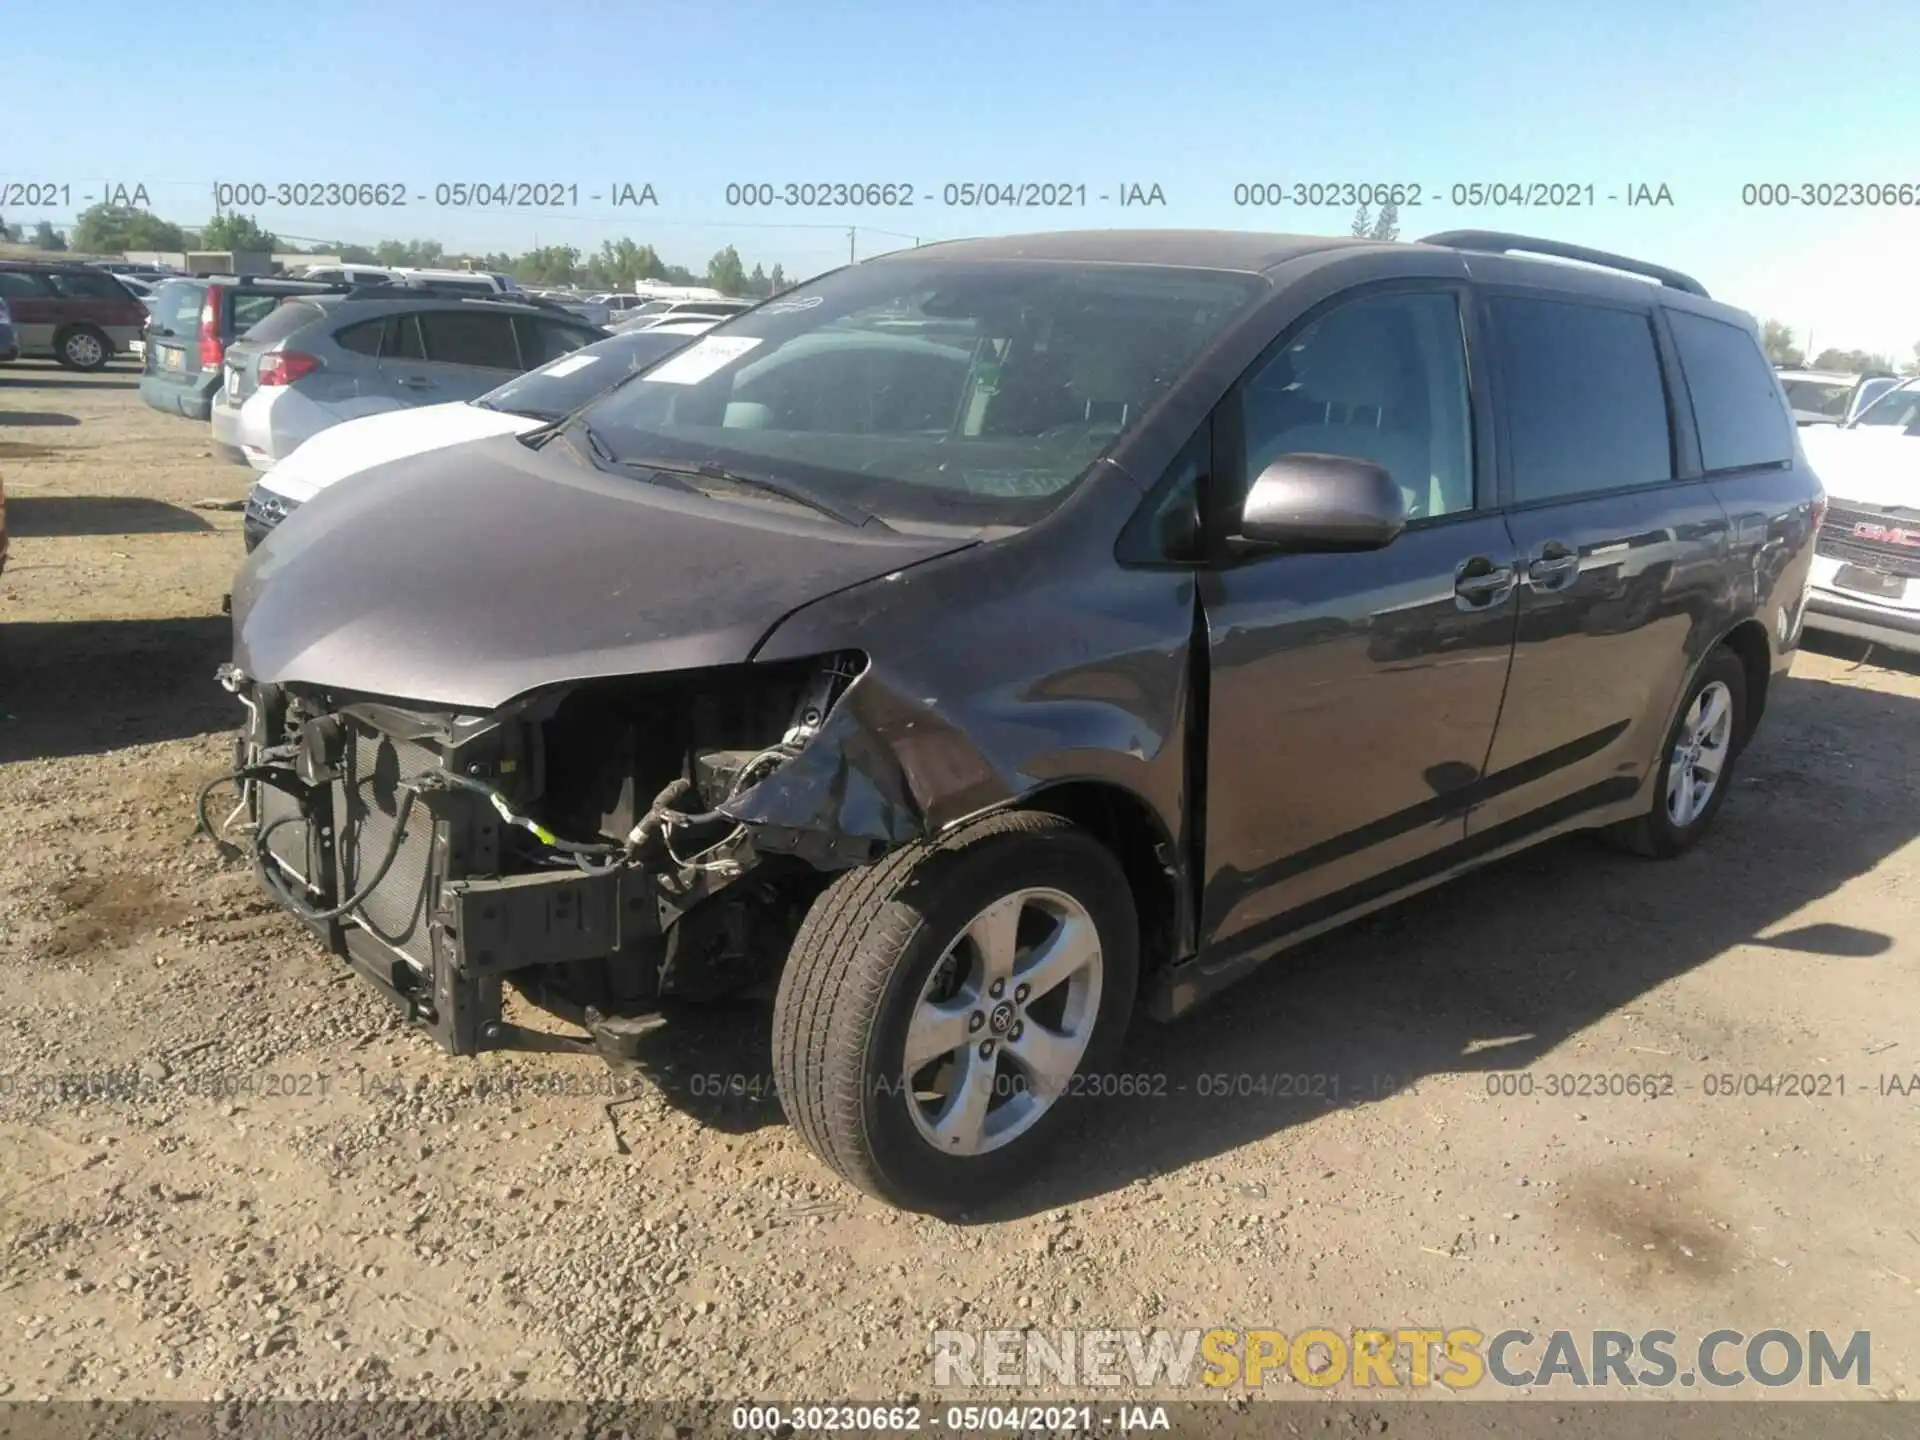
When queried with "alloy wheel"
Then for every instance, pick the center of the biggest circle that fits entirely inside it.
(84, 349)
(1699, 754)
(1003, 1022)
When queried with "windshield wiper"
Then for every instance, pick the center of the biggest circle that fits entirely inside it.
(752, 480)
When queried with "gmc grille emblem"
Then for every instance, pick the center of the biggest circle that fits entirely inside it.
(1886, 534)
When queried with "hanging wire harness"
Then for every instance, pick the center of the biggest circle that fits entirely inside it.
(663, 819)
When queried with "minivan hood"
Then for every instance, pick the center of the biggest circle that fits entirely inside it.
(346, 449)
(1869, 464)
(471, 574)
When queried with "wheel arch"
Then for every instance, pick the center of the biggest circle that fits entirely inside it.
(1131, 829)
(1749, 641)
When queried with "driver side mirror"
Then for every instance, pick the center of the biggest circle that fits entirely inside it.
(1323, 502)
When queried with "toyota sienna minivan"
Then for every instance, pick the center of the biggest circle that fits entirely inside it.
(988, 643)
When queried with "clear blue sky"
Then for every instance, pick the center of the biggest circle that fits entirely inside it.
(1196, 96)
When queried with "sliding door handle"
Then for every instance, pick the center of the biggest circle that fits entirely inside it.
(1479, 584)
(1557, 567)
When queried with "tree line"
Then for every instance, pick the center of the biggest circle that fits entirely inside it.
(1782, 349)
(115, 229)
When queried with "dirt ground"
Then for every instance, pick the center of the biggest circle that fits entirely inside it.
(226, 1170)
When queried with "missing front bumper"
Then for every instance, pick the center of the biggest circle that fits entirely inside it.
(429, 932)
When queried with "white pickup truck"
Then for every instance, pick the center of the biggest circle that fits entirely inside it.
(1866, 567)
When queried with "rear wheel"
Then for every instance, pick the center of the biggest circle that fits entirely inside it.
(1696, 766)
(942, 1010)
(82, 348)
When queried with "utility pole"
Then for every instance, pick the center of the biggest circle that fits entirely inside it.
(850, 234)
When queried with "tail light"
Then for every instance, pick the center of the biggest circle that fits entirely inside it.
(212, 349)
(283, 367)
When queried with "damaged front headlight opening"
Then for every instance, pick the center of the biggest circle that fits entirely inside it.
(583, 842)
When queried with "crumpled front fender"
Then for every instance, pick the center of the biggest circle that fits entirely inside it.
(883, 770)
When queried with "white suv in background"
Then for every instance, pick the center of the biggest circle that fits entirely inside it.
(1866, 565)
(474, 282)
(526, 402)
(349, 274)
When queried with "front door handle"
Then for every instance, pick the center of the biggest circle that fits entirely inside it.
(1557, 567)
(1479, 584)
(416, 382)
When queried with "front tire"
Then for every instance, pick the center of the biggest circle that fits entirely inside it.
(83, 348)
(941, 1010)
(1696, 767)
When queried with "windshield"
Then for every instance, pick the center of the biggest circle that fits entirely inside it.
(1819, 397)
(929, 390)
(562, 386)
(1898, 408)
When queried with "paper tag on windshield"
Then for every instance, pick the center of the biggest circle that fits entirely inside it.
(704, 357)
(570, 364)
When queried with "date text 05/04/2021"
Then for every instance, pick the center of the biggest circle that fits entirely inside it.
(444, 194)
(1461, 195)
(951, 194)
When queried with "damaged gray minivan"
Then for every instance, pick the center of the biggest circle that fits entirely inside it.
(993, 640)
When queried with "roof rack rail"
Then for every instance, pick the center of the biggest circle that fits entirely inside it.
(520, 297)
(292, 284)
(422, 290)
(1499, 242)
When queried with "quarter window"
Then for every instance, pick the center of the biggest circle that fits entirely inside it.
(1383, 379)
(402, 340)
(1586, 409)
(1736, 399)
(361, 339)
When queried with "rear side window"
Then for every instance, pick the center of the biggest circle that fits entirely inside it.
(544, 340)
(21, 285)
(86, 285)
(267, 319)
(1736, 400)
(389, 337)
(1586, 410)
(470, 337)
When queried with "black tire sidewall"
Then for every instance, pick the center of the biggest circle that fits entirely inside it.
(1067, 861)
(1724, 666)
